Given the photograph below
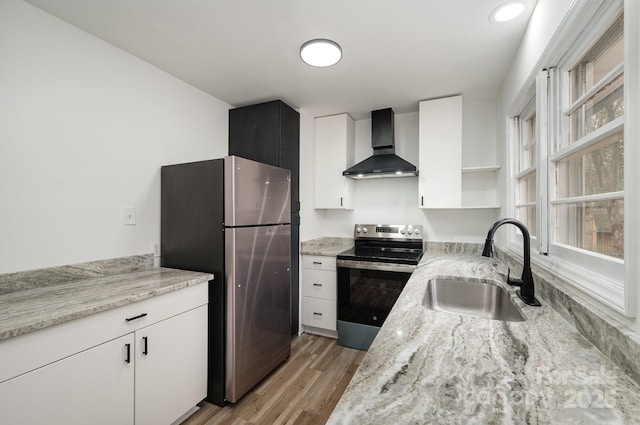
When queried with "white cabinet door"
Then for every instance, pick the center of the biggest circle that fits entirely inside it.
(440, 163)
(171, 367)
(334, 153)
(94, 387)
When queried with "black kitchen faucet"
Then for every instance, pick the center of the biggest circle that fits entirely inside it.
(527, 290)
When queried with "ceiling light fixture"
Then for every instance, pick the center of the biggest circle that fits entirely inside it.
(507, 12)
(321, 52)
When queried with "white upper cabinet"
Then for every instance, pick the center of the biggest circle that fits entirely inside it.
(334, 153)
(440, 157)
(443, 183)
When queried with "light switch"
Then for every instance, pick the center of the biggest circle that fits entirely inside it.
(129, 217)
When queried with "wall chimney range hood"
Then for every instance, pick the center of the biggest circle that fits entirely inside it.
(384, 162)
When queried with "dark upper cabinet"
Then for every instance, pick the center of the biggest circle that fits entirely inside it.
(270, 133)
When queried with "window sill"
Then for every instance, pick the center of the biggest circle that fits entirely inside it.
(576, 280)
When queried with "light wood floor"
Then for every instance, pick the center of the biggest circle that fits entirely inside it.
(303, 390)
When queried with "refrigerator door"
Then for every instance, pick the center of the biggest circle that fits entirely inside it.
(258, 304)
(255, 193)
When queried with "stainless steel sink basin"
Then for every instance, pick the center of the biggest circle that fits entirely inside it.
(478, 299)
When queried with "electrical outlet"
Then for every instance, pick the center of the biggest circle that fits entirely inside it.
(129, 216)
(155, 248)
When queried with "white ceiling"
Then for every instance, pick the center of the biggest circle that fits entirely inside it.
(395, 53)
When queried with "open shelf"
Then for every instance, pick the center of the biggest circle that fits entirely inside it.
(484, 169)
(470, 207)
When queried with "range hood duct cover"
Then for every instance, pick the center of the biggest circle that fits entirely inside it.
(384, 162)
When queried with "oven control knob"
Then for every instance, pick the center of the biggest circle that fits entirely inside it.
(358, 230)
(417, 232)
(402, 230)
(364, 230)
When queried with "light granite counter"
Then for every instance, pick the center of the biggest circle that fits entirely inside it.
(442, 368)
(37, 299)
(326, 246)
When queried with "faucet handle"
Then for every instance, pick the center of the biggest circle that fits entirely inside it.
(512, 281)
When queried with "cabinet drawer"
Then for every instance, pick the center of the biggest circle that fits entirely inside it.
(319, 313)
(319, 284)
(318, 262)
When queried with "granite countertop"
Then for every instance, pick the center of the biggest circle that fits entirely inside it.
(326, 246)
(443, 368)
(35, 307)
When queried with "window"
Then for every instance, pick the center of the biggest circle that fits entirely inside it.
(526, 194)
(588, 204)
(568, 155)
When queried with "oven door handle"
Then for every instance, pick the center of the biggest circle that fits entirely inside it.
(367, 265)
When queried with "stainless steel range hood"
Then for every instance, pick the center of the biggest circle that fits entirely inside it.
(384, 162)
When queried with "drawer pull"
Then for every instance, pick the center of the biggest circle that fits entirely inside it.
(317, 284)
(145, 350)
(128, 359)
(317, 314)
(139, 316)
(317, 262)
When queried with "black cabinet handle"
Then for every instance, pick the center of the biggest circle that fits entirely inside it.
(317, 262)
(139, 316)
(128, 359)
(317, 284)
(422, 201)
(317, 314)
(341, 201)
(145, 350)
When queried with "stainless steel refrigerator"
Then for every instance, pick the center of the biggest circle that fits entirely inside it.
(230, 217)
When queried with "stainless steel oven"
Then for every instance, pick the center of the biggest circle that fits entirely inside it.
(371, 277)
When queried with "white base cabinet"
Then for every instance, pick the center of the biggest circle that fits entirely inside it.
(319, 290)
(171, 367)
(91, 387)
(150, 366)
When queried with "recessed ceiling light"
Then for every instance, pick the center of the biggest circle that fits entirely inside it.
(321, 52)
(507, 12)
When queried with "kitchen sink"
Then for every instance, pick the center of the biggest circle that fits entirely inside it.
(477, 299)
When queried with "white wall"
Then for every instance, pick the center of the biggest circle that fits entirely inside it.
(395, 200)
(84, 128)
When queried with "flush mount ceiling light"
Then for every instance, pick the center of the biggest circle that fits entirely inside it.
(321, 52)
(507, 12)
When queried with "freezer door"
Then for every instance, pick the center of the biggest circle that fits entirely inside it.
(258, 304)
(255, 193)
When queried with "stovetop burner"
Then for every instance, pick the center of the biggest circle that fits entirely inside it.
(384, 243)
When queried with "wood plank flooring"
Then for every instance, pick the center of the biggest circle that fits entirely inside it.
(302, 391)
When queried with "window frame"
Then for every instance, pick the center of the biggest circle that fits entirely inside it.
(520, 124)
